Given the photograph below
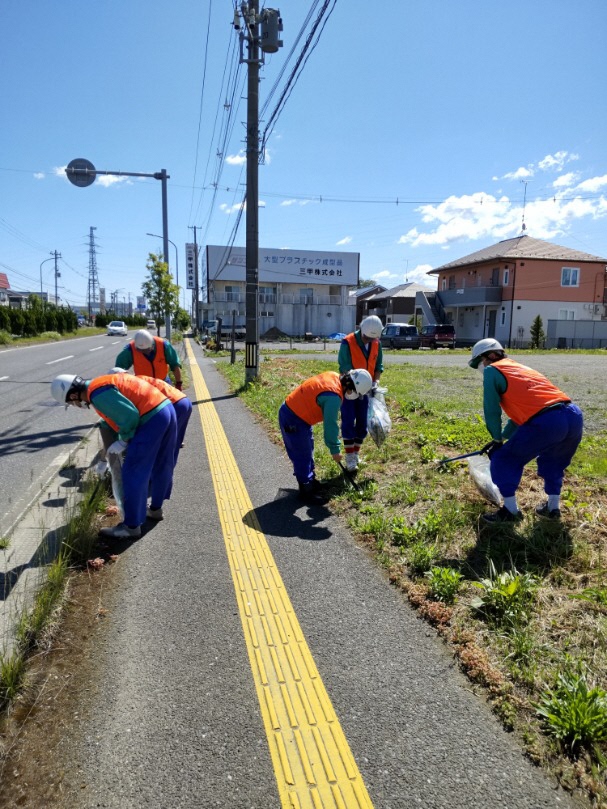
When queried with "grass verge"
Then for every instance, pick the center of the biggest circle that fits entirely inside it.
(524, 607)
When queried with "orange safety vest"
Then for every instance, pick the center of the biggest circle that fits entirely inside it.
(358, 357)
(302, 401)
(169, 391)
(143, 396)
(143, 366)
(528, 391)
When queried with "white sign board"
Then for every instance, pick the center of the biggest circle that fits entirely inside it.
(190, 265)
(285, 266)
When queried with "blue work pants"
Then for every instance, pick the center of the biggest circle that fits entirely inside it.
(183, 411)
(299, 443)
(148, 463)
(354, 414)
(552, 437)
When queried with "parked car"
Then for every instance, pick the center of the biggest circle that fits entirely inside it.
(117, 327)
(437, 336)
(400, 335)
(151, 324)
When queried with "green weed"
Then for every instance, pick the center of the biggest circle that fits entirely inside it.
(507, 597)
(421, 557)
(12, 672)
(444, 583)
(574, 711)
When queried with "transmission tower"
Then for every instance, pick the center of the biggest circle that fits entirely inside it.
(93, 285)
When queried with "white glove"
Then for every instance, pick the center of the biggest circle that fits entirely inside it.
(101, 468)
(117, 448)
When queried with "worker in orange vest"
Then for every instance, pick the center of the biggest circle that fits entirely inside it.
(317, 400)
(143, 419)
(543, 424)
(150, 356)
(360, 349)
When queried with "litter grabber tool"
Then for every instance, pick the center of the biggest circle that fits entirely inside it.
(349, 477)
(486, 450)
(461, 457)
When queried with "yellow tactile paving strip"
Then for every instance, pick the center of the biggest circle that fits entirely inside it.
(312, 760)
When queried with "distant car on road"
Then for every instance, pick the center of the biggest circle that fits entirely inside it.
(151, 324)
(399, 335)
(438, 336)
(117, 327)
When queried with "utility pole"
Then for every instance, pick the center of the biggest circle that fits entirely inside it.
(57, 275)
(93, 277)
(269, 42)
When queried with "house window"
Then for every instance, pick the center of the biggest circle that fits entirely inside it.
(570, 277)
(460, 319)
(444, 284)
(503, 319)
(451, 282)
(506, 277)
(566, 314)
(305, 295)
(232, 293)
(477, 319)
(266, 313)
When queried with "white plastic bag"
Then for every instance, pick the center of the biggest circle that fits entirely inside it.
(115, 463)
(480, 472)
(378, 418)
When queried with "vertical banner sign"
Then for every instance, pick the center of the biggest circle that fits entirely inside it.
(190, 263)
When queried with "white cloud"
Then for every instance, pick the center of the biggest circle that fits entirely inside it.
(345, 240)
(237, 159)
(482, 216)
(565, 180)
(521, 173)
(106, 180)
(593, 184)
(384, 274)
(39, 175)
(230, 209)
(556, 161)
(287, 202)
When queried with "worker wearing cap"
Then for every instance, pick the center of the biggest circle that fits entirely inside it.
(360, 349)
(150, 356)
(543, 424)
(144, 420)
(317, 400)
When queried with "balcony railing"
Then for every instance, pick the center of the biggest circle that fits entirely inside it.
(234, 297)
(470, 296)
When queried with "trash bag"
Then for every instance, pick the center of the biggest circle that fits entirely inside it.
(378, 418)
(480, 472)
(115, 463)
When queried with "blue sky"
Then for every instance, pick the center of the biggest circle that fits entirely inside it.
(409, 137)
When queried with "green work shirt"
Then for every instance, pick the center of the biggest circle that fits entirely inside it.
(495, 385)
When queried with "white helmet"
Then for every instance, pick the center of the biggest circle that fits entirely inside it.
(143, 339)
(62, 385)
(362, 381)
(481, 348)
(372, 327)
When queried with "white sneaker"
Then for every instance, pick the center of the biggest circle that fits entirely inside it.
(121, 531)
(154, 513)
(351, 461)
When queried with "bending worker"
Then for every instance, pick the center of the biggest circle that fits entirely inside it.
(543, 423)
(144, 421)
(360, 349)
(316, 400)
(181, 404)
(150, 356)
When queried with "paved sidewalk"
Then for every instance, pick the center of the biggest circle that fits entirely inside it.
(170, 717)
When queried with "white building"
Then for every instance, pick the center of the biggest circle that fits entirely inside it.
(300, 291)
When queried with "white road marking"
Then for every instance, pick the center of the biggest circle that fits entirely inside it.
(96, 349)
(2, 378)
(52, 362)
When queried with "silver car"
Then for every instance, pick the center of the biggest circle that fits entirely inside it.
(117, 327)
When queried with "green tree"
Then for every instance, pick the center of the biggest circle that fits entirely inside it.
(366, 282)
(161, 293)
(181, 319)
(537, 333)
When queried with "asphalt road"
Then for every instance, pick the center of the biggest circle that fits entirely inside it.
(36, 432)
(169, 715)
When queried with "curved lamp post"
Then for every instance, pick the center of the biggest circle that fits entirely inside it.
(44, 262)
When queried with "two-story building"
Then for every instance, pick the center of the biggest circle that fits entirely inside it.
(299, 291)
(500, 290)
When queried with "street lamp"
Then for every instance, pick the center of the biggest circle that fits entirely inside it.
(44, 262)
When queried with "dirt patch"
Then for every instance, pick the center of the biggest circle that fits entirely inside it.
(37, 769)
